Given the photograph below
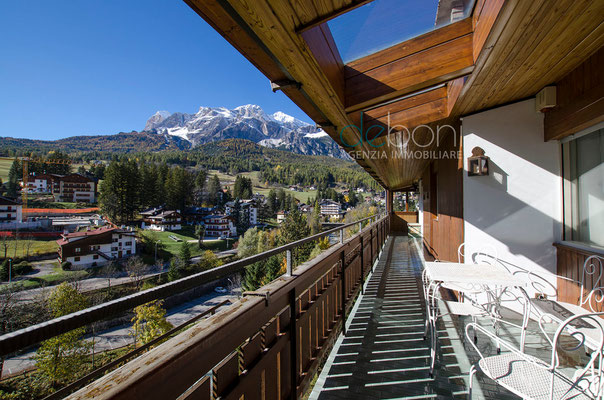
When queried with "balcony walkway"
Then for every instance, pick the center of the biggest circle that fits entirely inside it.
(384, 355)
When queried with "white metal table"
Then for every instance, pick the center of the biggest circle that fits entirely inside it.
(473, 278)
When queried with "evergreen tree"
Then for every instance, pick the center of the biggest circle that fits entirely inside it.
(14, 174)
(271, 201)
(176, 270)
(254, 276)
(274, 268)
(200, 184)
(281, 199)
(178, 188)
(214, 190)
(184, 254)
(120, 191)
(315, 219)
(295, 227)
(60, 163)
(242, 188)
(200, 231)
(148, 189)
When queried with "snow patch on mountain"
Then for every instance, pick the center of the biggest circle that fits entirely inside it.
(250, 122)
(316, 135)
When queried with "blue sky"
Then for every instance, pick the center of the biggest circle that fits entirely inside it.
(83, 67)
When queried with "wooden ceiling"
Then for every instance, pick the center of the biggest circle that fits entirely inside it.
(507, 50)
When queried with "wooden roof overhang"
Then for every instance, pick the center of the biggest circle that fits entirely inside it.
(505, 51)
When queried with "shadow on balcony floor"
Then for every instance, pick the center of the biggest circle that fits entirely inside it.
(384, 355)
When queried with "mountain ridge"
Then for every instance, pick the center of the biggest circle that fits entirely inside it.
(277, 130)
(182, 131)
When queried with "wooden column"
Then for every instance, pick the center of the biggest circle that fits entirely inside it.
(389, 208)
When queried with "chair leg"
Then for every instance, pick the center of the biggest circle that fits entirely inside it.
(472, 373)
(426, 328)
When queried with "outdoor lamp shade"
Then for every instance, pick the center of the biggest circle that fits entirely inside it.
(478, 163)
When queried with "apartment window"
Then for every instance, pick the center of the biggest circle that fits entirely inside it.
(584, 188)
(128, 243)
(77, 249)
(114, 249)
(95, 257)
(76, 259)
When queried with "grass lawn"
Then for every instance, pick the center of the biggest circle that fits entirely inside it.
(36, 247)
(33, 202)
(217, 244)
(56, 277)
(260, 187)
(4, 168)
(188, 233)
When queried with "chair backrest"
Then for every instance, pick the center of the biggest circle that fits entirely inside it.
(592, 275)
(570, 338)
(483, 254)
(460, 254)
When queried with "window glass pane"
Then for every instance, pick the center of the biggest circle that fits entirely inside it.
(587, 183)
(383, 23)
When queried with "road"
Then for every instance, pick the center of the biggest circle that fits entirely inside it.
(122, 335)
(84, 285)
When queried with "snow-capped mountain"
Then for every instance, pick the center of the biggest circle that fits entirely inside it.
(250, 122)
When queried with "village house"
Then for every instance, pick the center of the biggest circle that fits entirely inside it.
(248, 211)
(76, 188)
(281, 216)
(96, 247)
(158, 219)
(10, 211)
(39, 183)
(331, 209)
(218, 225)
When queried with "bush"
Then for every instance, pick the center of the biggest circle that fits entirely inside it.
(22, 268)
(66, 266)
(4, 271)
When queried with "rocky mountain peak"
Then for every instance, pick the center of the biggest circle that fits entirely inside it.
(250, 122)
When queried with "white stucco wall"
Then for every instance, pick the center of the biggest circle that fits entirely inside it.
(517, 207)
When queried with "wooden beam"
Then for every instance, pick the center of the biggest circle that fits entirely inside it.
(323, 47)
(409, 47)
(434, 65)
(580, 98)
(321, 19)
(483, 20)
(454, 89)
(423, 108)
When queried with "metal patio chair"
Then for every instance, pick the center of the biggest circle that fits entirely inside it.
(535, 379)
(482, 303)
(587, 302)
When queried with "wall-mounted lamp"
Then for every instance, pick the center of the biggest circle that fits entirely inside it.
(478, 163)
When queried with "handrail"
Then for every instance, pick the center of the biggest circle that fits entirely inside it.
(276, 343)
(102, 369)
(22, 338)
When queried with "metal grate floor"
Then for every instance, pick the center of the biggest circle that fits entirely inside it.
(383, 354)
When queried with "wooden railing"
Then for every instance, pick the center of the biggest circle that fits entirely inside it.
(268, 345)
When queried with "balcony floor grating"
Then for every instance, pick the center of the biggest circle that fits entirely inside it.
(384, 355)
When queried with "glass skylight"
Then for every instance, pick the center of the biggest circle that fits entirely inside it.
(384, 23)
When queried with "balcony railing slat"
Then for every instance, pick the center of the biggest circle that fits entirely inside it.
(14, 341)
(299, 323)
